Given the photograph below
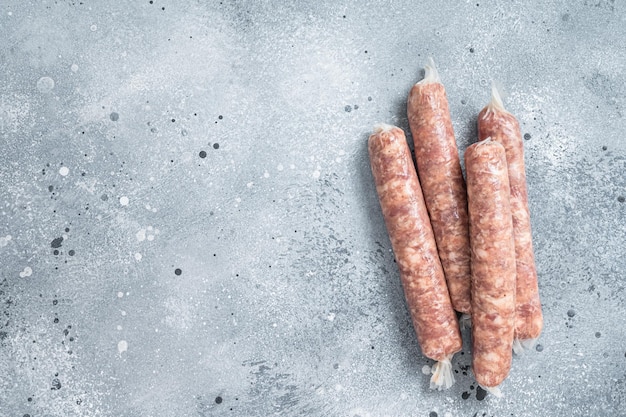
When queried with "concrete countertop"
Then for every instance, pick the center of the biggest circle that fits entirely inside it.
(189, 226)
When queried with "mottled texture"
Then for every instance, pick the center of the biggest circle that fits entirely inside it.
(439, 171)
(502, 127)
(493, 262)
(413, 244)
(289, 301)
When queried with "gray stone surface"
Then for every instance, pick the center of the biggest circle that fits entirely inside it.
(288, 301)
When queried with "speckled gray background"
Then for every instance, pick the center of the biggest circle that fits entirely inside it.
(227, 139)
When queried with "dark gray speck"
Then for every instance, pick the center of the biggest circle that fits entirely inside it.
(56, 243)
(348, 108)
(598, 334)
(56, 384)
(621, 199)
(216, 146)
(480, 393)
(527, 136)
(539, 348)
(71, 252)
(432, 414)
(565, 17)
(114, 116)
(104, 197)
(571, 313)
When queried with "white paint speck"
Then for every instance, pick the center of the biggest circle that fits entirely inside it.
(45, 84)
(150, 238)
(124, 200)
(123, 312)
(266, 174)
(316, 174)
(119, 327)
(74, 67)
(26, 272)
(149, 228)
(5, 240)
(338, 387)
(138, 256)
(426, 370)
(331, 317)
(292, 166)
(122, 346)
(141, 236)
(64, 171)
(447, 414)
(93, 28)
(280, 167)
(250, 184)
(120, 294)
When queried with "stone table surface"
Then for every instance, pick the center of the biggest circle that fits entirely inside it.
(189, 227)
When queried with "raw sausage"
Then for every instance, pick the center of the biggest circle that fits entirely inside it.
(415, 250)
(439, 170)
(493, 262)
(495, 122)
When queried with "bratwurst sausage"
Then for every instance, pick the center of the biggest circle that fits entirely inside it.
(493, 262)
(501, 126)
(439, 171)
(415, 250)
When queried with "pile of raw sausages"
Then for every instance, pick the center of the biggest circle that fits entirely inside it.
(460, 248)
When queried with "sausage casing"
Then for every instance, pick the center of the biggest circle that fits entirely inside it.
(441, 178)
(493, 262)
(501, 126)
(413, 244)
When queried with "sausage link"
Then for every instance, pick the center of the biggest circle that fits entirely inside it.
(439, 170)
(415, 250)
(493, 262)
(495, 122)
